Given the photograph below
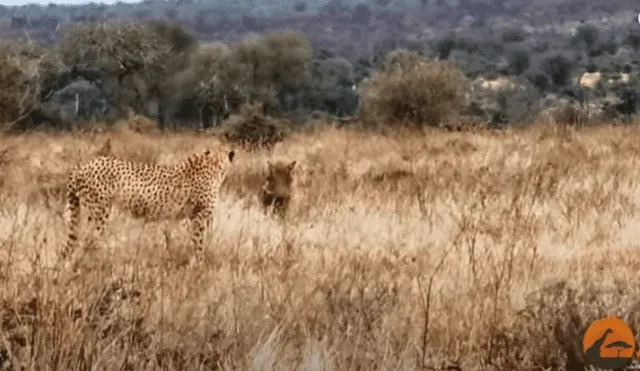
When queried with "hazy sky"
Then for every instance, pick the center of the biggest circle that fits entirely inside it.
(23, 2)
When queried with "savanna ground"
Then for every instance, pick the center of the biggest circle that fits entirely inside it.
(471, 251)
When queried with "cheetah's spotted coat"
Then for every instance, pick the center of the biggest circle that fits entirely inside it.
(149, 192)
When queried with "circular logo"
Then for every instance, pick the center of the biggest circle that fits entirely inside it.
(609, 344)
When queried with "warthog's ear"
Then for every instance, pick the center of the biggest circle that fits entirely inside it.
(292, 165)
(232, 154)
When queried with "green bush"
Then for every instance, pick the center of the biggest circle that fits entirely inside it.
(418, 92)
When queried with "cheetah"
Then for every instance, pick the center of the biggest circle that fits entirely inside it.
(275, 194)
(148, 192)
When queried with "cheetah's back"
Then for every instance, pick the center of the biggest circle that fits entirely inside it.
(146, 191)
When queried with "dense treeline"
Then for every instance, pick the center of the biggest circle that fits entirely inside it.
(104, 71)
(184, 70)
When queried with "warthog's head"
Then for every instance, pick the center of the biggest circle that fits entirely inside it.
(279, 178)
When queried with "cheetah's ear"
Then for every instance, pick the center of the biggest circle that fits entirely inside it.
(292, 165)
(232, 154)
(207, 152)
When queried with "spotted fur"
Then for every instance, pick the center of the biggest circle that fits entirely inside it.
(149, 192)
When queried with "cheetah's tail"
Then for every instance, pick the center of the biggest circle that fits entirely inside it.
(72, 213)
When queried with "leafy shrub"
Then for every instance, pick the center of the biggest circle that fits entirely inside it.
(424, 92)
(252, 127)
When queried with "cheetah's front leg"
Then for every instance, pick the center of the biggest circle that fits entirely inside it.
(200, 223)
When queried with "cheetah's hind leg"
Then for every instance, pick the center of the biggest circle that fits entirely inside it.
(72, 219)
(99, 216)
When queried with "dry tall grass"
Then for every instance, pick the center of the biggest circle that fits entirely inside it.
(483, 251)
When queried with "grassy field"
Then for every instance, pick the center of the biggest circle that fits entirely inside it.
(469, 251)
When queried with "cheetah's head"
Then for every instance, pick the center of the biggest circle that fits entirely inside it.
(223, 156)
(279, 178)
(221, 159)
